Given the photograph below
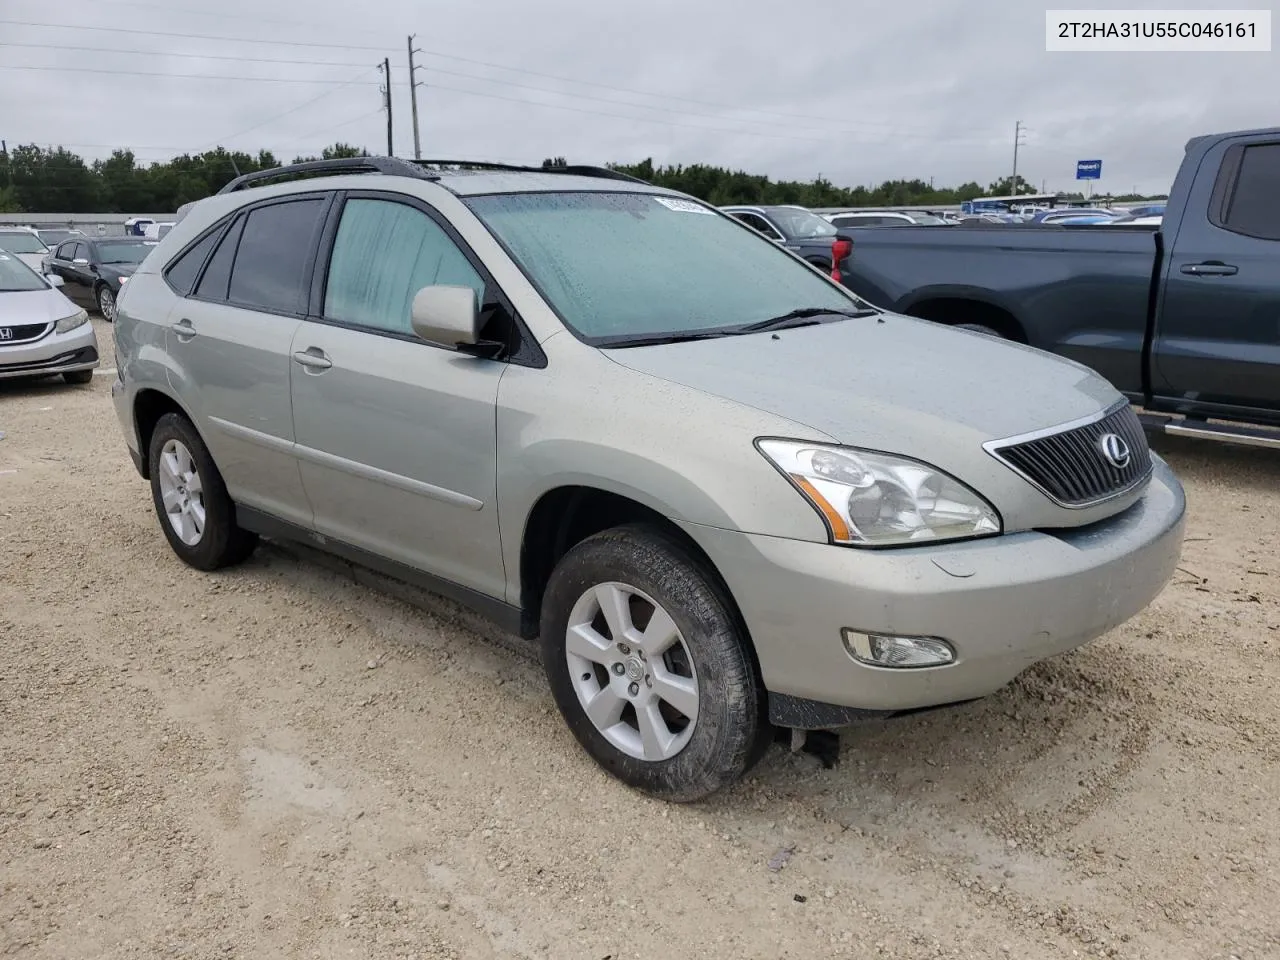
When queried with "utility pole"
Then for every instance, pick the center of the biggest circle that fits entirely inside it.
(1017, 141)
(386, 71)
(413, 98)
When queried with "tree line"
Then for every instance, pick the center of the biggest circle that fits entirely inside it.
(35, 179)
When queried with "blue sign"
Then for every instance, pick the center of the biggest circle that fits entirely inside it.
(1088, 169)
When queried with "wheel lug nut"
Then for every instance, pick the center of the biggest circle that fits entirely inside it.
(633, 689)
(648, 680)
(623, 649)
(619, 669)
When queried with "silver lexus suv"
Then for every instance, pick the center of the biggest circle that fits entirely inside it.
(726, 496)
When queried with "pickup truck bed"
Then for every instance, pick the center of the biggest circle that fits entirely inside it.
(1183, 318)
(1081, 295)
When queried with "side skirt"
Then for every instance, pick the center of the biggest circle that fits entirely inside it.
(503, 614)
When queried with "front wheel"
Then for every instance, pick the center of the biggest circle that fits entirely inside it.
(78, 376)
(191, 500)
(649, 667)
(107, 304)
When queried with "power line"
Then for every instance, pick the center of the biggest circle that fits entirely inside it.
(187, 56)
(447, 56)
(305, 103)
(176, 76)
(170, 8)
(322, 63)
(669, 123)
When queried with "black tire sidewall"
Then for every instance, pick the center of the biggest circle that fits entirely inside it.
(730, 721)
(103, 288)
(79, 377)
(222, 542)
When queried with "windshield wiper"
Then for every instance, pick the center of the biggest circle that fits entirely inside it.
(803, 317)
(653, 340)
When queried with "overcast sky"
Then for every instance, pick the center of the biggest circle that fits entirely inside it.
(856, 91)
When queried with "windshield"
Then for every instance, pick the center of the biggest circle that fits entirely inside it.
(22, 242)
(55, 236)
(618, 265)
(124, 252)
(16, 276)
(801, 224)
(925, 219)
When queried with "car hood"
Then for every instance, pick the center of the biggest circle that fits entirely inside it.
(33, 260)
(34, 306)
(899, 385)
(114, 271)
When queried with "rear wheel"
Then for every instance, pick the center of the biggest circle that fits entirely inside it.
(649, 667)
(191, 500)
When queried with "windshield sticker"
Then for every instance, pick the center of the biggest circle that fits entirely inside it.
(683, 206)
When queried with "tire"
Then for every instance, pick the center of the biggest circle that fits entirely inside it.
(78, 376)
(217, 541)
(979, 328)
(106, 303)
(685, 758)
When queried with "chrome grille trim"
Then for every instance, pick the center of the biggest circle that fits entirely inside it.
(1066, 464)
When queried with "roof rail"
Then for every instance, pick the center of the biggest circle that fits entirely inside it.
(577, 170)
(392, 166)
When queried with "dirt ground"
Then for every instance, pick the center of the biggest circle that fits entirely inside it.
(278, 761)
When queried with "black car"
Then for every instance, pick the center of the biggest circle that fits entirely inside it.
(94, 269)
(801, 231)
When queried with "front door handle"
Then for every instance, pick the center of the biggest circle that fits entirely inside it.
(184, 329)
(313, 358)
(1210, 268)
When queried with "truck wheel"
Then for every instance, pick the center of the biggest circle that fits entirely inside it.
(648, 666)
(195, 511)
(979, 328)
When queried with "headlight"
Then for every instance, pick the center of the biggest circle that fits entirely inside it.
(67, 324)
(874, 499)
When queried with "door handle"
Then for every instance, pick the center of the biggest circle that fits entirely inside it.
(184, 329)
(1210, 268)
(312, 358)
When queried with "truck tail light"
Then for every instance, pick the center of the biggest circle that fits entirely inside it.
(841, 247)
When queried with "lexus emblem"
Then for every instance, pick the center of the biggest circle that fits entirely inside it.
(1114, 450)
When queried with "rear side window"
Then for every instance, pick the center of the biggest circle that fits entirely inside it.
(217, 277)
(275, 249)
(182, 275)
(384, 253)
(1254, 205)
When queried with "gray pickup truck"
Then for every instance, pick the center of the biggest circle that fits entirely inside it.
(1184, 319)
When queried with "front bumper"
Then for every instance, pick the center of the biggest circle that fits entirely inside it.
(1004, 604)
(51, 353)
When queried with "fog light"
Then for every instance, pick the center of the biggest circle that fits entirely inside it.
(882, 650)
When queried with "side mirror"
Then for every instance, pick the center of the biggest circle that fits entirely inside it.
(446, 315)
(54, 279)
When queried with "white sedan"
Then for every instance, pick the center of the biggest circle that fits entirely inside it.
(42, 333)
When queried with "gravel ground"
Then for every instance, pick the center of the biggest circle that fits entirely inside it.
(278, 761)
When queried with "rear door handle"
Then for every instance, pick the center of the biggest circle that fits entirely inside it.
(312, 358)
(1210, 268)
(184, 329)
